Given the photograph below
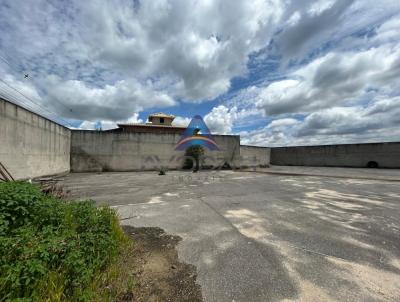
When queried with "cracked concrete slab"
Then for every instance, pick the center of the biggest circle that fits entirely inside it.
(262, 237)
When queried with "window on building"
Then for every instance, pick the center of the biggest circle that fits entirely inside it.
(161, 120)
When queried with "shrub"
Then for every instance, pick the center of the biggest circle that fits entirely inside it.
(17, 200)
(52, 249)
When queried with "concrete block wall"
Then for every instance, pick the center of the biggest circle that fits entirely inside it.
(119, 151)
(387, 155)
(253, 156)
(31, 145)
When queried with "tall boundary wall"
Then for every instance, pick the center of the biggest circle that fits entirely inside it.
(118, 151)
(386, 155)
(31, 145)
(254, 156)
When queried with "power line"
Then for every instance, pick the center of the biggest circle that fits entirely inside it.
(4, 60)
(5, 54)
(27, 106)
(2, 57)
(11, 97)
(19, 92)
(42, 111)
(37, 104)
(9, 62)
(8, 94)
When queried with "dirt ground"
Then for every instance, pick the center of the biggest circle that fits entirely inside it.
(158, 274)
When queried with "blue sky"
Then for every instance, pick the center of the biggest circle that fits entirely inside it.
(276, 72)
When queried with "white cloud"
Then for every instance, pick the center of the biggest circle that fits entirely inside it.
(202, 44)
(107, 125)
(111, 102)
(316, 23)
(349, 94)
(87, 125)
(220, 120)
(189, 49)
(181, 121)
(314, 26)
(25, 88)
(320, 6)
(106, 61)
(388, 31)
(378, 121)
(284, 122)
(333, 79)
(134, 119)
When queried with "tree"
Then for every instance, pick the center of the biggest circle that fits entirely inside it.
(196, 152)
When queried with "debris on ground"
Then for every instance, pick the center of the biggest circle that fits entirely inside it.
(52, 185)
(5, 175)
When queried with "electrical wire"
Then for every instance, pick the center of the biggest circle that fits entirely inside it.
(34, 108)
(6, 59)
(15, 68)
(12, 98)
(34, 102)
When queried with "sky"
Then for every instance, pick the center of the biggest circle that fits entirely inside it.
(278, 73)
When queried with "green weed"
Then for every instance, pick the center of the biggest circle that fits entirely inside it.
(53, 250)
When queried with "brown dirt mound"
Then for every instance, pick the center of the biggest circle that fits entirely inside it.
(158, 275)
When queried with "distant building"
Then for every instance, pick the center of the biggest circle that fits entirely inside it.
(161, 119)
(157, 123)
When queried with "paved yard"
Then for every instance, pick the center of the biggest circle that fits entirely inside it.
(265, 237)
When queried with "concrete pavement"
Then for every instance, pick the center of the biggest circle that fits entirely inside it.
(337, 172)
(262, 237)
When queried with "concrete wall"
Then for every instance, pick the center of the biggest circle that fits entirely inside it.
(253, 156)
(119, 151)
(387, 155)
(31, 145)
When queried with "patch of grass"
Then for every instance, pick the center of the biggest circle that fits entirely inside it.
(54, 250)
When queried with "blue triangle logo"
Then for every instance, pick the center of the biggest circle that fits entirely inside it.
(197, 133)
